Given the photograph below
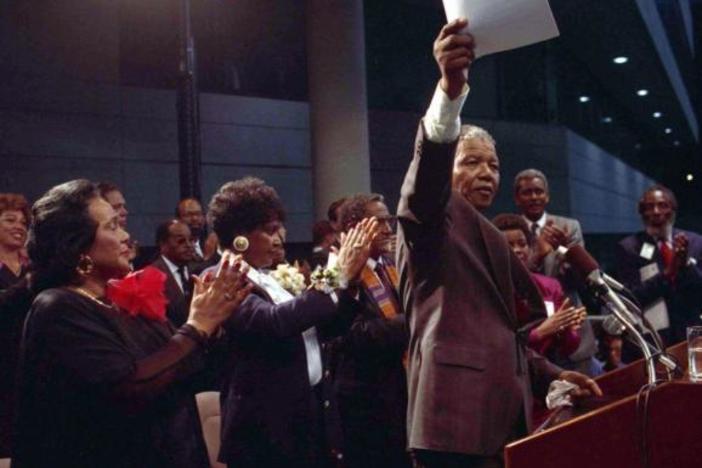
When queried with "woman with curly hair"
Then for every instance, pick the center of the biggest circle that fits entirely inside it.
(277, 403)
(100, 385)
(14, 221)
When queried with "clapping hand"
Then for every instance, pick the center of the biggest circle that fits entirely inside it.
(566, 317)
(355, 248)
(215, 297)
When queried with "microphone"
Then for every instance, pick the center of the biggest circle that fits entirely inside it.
(588, 268)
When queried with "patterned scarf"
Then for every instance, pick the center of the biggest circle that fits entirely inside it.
(382, 295)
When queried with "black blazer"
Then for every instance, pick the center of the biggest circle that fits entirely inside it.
(178, 303)
(270, 414)
(371, 387)
(683, 298)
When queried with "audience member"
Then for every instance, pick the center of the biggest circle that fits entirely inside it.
(531, 195)
(100, 386)
(661, 266)
(277, 402)
(557, 336)
(14, 302)
(323, 238)
(14, 222)
(333, 213)
(369, 375)
(189, 211)
(175, 246)
(113, 195)
(469, 374)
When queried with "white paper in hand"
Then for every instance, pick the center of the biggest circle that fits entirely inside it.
(498, 25)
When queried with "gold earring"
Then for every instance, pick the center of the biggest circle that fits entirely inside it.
(85, 265)
(240, 244)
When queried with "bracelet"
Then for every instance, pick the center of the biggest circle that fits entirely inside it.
(198, 336)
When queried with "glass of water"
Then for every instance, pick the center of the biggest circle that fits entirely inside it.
(694, 352)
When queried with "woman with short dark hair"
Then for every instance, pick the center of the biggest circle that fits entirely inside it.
(277, 402)
(101, 385)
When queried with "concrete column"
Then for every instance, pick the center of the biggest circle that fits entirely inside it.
(336, 70)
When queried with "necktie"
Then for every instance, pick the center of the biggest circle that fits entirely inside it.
(535, 230)
(666, 253)
(184, 280)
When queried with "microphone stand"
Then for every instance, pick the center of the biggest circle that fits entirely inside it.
(653, 353)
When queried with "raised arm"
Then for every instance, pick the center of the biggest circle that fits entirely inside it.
(427, 184)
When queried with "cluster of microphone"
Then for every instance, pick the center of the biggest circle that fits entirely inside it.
(624, 317)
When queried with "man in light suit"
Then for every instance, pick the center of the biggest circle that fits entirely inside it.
(175, 245)
(661, 265)
(469, 371)
(531, 195)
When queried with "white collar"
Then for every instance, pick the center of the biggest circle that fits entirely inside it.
(541, 222)
(173, 267)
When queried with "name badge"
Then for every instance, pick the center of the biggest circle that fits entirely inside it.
(649, 271)
(647, 251)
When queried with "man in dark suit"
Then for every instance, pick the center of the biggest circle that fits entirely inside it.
(661, 266)
(176, 251)
(531, 195)
(369, 375)
(469, 371)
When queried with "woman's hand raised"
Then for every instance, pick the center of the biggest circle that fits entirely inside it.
(215, 297)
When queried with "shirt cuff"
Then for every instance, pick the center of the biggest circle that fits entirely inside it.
(442, 122)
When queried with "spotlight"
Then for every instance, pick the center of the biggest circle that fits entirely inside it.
(657, 115)
(642, 92)
(584, 99)
(607, 119)
(676, 143)
(620, 60)
(690, 177)
(668, 131)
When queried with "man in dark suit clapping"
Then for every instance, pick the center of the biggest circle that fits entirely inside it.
(469, 371)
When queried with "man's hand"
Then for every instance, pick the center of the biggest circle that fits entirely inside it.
(587, 386)
(454, 53)
(550, 238)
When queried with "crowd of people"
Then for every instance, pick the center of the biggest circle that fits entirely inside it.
(426, 338)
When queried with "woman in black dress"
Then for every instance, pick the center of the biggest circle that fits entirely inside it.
(99, 386)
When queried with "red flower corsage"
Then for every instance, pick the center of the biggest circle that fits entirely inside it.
(141, 293)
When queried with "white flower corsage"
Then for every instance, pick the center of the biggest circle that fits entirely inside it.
(327, 279)
(290, 278)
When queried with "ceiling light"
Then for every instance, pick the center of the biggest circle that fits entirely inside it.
(690, 177)
(657, 115)
(676, 143)
(638, 146)
(620, 60)
(668, 131)
(642, 92)
(607, 119)
(584, 98)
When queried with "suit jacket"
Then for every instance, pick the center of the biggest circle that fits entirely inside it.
(683, 298)
(371, 386)
(178, 303)
(551, 264)
(580, 359)
(270, 414)
(469, 369)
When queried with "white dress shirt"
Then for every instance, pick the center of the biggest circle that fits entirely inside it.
(174, 272)
(442, 122)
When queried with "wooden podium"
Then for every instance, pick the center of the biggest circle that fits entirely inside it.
(613, 432)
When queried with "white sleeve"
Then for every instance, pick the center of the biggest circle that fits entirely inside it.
(442, 122)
